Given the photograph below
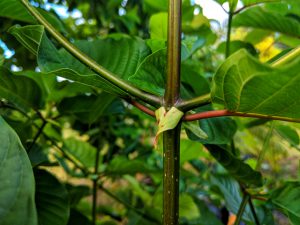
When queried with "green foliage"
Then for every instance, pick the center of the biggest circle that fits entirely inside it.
(92, 153)
(21, 91)
(258, 17)
(17, 189)
(52, 200)
(241, 77)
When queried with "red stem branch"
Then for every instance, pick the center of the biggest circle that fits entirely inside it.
(216, 113)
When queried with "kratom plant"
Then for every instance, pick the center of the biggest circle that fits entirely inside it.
(160, 78)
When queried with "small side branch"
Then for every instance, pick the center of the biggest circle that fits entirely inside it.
(221, 113)
(186, 105)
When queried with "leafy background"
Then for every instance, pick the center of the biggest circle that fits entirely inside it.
(68, 135)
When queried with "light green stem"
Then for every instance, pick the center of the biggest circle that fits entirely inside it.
(192, 103)
(265, 146)
(295, 53)
(107, 75)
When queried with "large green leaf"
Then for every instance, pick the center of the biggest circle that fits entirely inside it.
(152, 72)
(52, 200)
(243, 84)
(236, 167)
(17, 205)
(121, 56)
(21, 91)
(13, 9)
(258, 17)
(287, 199)
(89, 109)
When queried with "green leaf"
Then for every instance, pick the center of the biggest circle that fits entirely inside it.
(289, 134)
(37, 155)
(194, 128)
(89, 109)
(77, 218)
(121, 165)
(245, 85)
(237, 45)
(159, 26)
(21, 91)
(236, 167)
(81, 151)
(52, 199)
(189, 150)
(13, 9)
(17, 204)
(187, 207)
(121, 56)
(287, 198)
(231, 192)
(258, 17)
(150, 76)
(157, 5)
(219, 131)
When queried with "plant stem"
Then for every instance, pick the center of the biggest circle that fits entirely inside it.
(265, 147)
(171, 138)
(220, 113)
(174, 54)
(242, 209)
(107, 75)
(228, 39)
(193, 103)
(252, 208)
(95, 187)
(287, 58)
(171, 176)
(38, 134)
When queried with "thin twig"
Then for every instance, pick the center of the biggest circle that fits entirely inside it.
(252, 208)
(38, 134)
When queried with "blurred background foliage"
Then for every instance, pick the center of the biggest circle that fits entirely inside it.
(84, 142)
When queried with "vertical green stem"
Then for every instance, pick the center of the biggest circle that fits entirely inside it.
(242, 208)
(171, 176)
(252, 208)
(174, 54)
(228, 39)
(95, 188)
(171, 138)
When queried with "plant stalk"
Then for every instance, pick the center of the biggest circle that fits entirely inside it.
(171, 138)
(228, 39)
(193, 103)
(252, 208)
(171, 176)
(86, 60)
(242, 208)
(95, 188)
